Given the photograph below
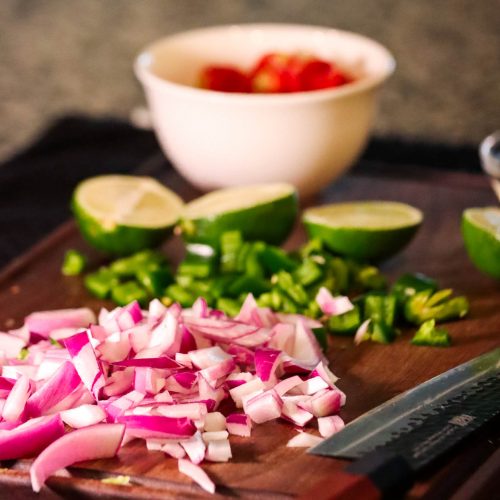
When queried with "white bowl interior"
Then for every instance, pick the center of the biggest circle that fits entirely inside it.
(180, 58)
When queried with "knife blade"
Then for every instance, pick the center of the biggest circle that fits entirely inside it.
(408, 432)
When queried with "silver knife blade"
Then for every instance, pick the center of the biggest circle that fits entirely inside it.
(425, 421)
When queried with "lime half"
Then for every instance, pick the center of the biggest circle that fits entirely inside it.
(264, 212)
(481, 233)
(368, 230)
(122, 214)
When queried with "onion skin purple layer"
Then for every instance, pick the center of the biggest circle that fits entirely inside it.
(30, 439)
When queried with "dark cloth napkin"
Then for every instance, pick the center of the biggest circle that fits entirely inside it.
(36, 184)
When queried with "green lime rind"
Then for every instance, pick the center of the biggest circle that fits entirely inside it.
(120, 240)
(271, 222)
(482, 240)
(364, 243)
(122, 214)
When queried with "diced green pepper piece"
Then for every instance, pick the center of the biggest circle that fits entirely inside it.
(253, 266)
(429, 335)
(308, 272)
(321, 337)
(380, 309)
(338, 269)
(408, 285)
(294, 290)
(275, 259)
(345, 324)
(312, 310)
(241, 258)
(181, 295)
(231, 307)
(370, 278)
(101, 282)
(247, 284)
(197, 266)
(265, 300)
(201, 288)
(288, 305)
(230, 244)
(155, 281)
(440, 306)
(312, 247)
(129, 291)
(220, 284)
(381, 333)
(128, 267)
(74, 263)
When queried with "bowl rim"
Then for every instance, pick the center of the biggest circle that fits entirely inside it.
(143, 72)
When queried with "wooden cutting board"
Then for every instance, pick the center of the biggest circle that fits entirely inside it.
(370, 374)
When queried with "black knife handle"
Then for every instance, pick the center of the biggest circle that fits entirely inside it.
(378, 475)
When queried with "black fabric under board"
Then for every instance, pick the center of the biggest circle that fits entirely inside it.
(36, 184)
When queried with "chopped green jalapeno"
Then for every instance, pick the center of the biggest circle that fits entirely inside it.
(429, 335)
(101, 282)
(74, 263)
(129, 291)
(440, 306)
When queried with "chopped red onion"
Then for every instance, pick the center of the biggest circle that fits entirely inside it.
(161, 374)
(30, 438)
(197, 474)
(88, 443)
(328, 426)
(304, 440)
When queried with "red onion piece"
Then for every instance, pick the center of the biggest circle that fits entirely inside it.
(10, 345)
(304, 440)
(197, 474)
(218, 451)
(85, 362)
(60, 385)
(194, 448)
(44, 322)
(239, 424)
(83, 416)
(328, 426)
(266, 362)
(333, 306)
(89, 443)
(151, 426)
(30, 438)
(361, 333)
(264, 407)
(161, 362)
(16, 400)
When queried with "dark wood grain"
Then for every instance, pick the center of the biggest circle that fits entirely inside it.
(370, 374)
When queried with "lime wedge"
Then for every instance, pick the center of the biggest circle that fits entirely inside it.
(368, 230)
(264, 212)
(481, 233)
(122, 214)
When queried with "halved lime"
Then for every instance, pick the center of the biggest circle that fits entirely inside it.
(121, 214)
(481, 233)
(367, 230)
(264, 212)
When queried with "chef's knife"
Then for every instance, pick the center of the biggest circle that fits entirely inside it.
(400, 437)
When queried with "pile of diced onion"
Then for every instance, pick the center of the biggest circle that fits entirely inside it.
(161, 375)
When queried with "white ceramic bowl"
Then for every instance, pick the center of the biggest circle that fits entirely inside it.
(218, 139)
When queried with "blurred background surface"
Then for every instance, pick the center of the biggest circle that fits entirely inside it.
(59, 57)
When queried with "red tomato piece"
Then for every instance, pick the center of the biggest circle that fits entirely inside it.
(274, 73)
(317, 74)
(225, 79)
